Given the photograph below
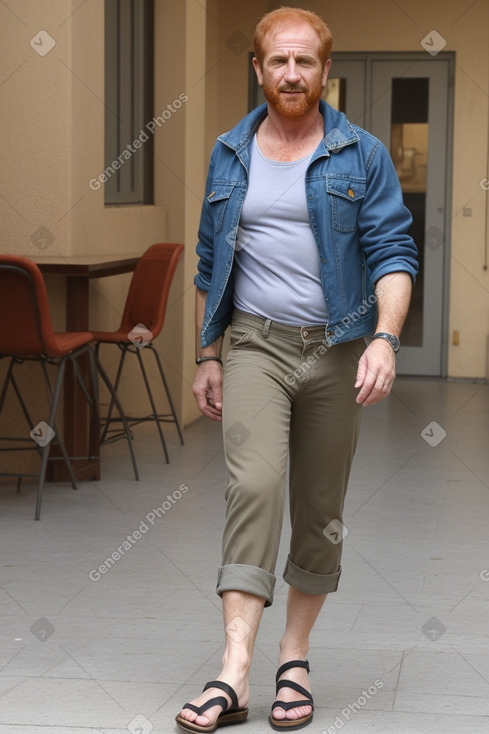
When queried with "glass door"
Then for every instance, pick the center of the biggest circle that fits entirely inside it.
(347, 89)
(406, 105)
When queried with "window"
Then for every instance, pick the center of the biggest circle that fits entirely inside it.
(128, 174)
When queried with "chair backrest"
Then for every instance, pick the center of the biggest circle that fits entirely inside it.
(25, 321)
(150, 286)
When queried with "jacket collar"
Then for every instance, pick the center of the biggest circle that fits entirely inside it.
(338, 131)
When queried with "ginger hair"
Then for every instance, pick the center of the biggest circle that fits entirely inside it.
(287, 15)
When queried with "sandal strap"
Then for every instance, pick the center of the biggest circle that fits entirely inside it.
(291, 705)
(227, 689)
(291, 664)
(295, 686)
(216, 701)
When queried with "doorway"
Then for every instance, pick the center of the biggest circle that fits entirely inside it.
(405, 100)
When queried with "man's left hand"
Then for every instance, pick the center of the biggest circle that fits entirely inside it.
(376, 372)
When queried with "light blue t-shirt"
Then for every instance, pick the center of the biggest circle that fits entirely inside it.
(277, 259)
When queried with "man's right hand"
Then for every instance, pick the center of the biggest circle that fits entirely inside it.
(207, 389)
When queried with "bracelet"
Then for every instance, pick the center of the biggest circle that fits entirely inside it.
(199, 360)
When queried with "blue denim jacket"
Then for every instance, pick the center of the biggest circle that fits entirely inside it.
(356, 212)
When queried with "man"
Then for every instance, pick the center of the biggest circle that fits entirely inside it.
(303, 245)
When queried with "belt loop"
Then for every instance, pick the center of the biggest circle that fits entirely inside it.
(266, 328)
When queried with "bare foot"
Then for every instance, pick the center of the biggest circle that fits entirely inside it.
(242, 692)
(287, 695)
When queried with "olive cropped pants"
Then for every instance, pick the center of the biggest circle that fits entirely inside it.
(287, 397)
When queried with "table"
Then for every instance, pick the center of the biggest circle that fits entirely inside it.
(81, 430)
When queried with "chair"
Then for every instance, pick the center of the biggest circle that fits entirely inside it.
(26, 335)
(142, 321)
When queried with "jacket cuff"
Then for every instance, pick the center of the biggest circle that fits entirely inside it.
(201, 282)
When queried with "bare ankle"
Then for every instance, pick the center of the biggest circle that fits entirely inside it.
(239, 665)
(291, 649)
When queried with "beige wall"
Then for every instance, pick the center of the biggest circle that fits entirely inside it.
(53, 120)
(52, 125)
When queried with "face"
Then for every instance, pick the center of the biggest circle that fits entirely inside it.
(292, 75)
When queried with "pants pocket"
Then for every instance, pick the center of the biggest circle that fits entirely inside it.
(241, 335)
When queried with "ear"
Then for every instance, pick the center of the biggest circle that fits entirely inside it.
(258, 71)
(326, 69)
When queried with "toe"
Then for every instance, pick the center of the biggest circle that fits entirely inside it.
(206, 719)
(292, 714)
(278, 714)
(187, 714)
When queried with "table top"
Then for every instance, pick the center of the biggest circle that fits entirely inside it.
(87, 266)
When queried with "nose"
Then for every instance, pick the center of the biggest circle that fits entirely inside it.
(292, 74)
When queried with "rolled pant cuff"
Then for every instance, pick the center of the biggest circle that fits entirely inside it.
(308, 582)
(249, 579)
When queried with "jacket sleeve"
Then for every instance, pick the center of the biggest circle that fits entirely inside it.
(205, 245)
(384, 221)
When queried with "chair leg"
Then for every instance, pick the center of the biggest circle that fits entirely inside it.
(79, 376)
(116, 400)
(167, 391)
(59, 438)
(95, 420)
(6, 382)
(116, 388)
(92, 363)
(153, 406)
(52, 414)
(66, 458)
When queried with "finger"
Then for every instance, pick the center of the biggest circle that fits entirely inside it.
(379, 391)
(207, 407)
(366, 381)
(375, 395)
(361, 372)
(217, 395)
(211, 402)
(367, 393)
(214, 384)
(213, 414)
(373, 387)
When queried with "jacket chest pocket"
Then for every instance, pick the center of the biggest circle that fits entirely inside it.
(218, 200)
(346, 196)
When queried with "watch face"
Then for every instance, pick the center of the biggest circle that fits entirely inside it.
(394, 341)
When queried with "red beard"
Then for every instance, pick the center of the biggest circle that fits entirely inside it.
(294, 106)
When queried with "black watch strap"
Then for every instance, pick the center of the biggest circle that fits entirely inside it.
(199, 360)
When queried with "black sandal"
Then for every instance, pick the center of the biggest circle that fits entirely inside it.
(233, 715)
(291, 724)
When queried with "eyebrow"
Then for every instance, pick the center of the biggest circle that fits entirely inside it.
(300, 56)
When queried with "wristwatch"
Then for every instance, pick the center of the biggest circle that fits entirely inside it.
(391, 338)
(199, 360)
